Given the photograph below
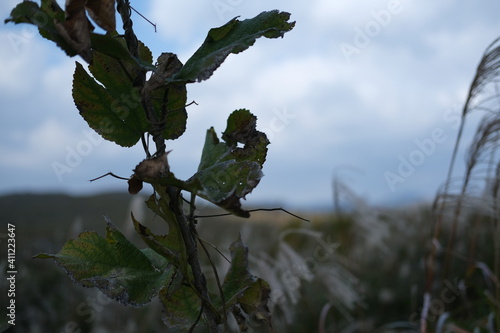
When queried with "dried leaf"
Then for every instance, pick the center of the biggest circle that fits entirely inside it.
(167, 65)
(134, 185)
(254, 301)
(76, 28)
(103, 13)
(152, 168)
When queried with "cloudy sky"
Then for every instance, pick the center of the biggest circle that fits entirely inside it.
(368, 91)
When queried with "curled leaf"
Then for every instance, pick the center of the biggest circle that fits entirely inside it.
(103, 13)
(70, 29)
(227, 173)
(45, 17)
(254, 301)
(134, 185)
(76, 28)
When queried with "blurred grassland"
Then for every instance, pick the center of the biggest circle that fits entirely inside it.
(363, 269)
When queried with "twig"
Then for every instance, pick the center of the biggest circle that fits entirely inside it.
(153, 24)
(256, 210)
(217, 279)
(214, 247)
(145, 146)
(108, 174)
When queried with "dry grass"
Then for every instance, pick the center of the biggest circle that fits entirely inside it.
(466, 240)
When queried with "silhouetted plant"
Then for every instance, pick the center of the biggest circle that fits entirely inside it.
(155, 109)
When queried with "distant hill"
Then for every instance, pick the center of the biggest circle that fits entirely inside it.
(29, 209)
(59, 217)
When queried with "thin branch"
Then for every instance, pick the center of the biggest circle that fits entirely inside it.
(145, 146)
(153, 24)
(214, 247)
(256, 210)
(217, 279)
(192, 225)
(191, 329)
(109, 174)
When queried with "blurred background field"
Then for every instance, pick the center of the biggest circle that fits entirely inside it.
(355, 271)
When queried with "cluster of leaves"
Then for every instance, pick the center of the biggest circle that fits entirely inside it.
(134, 277)
(117, 101)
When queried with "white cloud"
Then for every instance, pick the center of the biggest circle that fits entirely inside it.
(365, 113)
(27, 150)
(182, 21)
(21, 57)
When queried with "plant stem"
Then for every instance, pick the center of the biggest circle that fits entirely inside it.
(175, 202)
(123, 7)
(200, 282)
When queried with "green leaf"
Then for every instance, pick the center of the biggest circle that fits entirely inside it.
(233, 37)
(116, 115)
(168, 100)
(169, 246)
(181, 306)
(158, 261)
(114, 265)
(243, 290)
(238, 278)
(172, 99)
(227, 172)
(116, 48)
(120, 103)
(241, 128)
(228, 179)
(113, 66)
(254, 301)
(112, 73)
(112, 46)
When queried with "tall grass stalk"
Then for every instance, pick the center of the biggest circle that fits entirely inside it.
(477, 193)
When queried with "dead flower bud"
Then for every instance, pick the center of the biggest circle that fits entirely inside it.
(149, 169)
